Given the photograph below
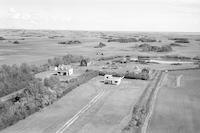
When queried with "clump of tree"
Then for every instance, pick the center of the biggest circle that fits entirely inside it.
(196, 58)
(180, 40)
(175, 45)
(13, 78)
(143, 75)
(70, 42)
(16, 42)
(34, 97)
(109, 58)
(2, 38)
(123, 40)
(144, 39)
(67, 59)
(100, 45)
(149, 48)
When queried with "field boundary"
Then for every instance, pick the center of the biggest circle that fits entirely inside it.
(182, 69)
(152, 104)
(142, 108)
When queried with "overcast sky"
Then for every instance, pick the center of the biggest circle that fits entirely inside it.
(121, 15)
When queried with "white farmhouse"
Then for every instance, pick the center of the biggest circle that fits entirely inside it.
(64, 70)
(109, 79)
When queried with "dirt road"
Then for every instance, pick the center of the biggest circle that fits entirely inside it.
(92, 107)
(177, 107)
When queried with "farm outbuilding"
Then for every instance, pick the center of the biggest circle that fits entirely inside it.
(109, 79)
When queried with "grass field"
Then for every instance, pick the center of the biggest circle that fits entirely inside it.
(177, 107)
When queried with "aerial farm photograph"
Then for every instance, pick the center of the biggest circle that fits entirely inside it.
(99, 66)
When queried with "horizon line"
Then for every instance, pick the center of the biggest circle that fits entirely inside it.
(100, 30)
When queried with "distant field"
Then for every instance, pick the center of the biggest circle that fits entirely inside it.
(177, 107)
(37, 46)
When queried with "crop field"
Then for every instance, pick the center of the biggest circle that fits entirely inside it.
(177, 107)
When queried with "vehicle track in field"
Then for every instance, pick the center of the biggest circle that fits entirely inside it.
(81, 112)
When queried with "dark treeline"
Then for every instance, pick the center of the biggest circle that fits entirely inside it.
(149, 48)
(67, 59)
(13, 78)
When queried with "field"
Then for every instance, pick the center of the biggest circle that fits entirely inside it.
(109, 114)
(177, 106)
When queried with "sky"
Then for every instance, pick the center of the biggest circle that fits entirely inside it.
(104, 15)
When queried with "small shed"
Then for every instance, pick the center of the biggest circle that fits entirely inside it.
(109, 79)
